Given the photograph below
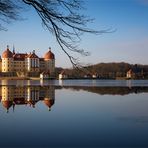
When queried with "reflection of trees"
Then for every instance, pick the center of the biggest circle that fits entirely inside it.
(107, 90)
(11, 96)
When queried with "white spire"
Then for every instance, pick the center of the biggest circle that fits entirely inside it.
(13, 49)
(7, 46)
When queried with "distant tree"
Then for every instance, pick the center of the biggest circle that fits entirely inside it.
(61, 17)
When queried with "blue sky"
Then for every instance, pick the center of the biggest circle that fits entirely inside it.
(129, 43)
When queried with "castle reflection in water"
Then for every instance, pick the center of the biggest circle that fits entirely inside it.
(12, 96)
(29, 93)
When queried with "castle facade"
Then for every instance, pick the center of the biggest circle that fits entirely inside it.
(23, 64)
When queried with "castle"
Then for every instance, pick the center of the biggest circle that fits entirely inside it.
(25, 65)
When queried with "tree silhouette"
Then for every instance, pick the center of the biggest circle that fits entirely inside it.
(61, 17)
(8, 12)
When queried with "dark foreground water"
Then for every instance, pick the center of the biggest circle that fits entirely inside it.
(71, 115)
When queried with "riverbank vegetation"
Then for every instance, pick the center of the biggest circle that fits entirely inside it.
(106, 70)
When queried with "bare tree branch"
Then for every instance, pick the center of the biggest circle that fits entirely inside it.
(61, 17)
(8, 12)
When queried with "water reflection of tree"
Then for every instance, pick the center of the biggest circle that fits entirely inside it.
(107, 90)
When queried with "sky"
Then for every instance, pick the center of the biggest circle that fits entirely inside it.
(129, 43)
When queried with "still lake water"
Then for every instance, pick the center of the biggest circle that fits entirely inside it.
(80, 113)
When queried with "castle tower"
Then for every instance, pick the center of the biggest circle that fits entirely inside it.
(49, 59)
(7, 61)
(32, 95)
(33, 62)
(7, 96)
(49, 96)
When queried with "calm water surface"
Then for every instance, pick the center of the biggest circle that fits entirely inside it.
(69, 114)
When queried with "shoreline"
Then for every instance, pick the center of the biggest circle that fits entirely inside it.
(19, 78)
(38, 78)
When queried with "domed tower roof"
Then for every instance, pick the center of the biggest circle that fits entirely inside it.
(7, 104)
(7, 53)
(48, 102)
(49, 55)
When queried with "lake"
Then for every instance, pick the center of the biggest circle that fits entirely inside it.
(74, 113)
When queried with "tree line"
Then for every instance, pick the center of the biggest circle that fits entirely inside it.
(105, 70)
